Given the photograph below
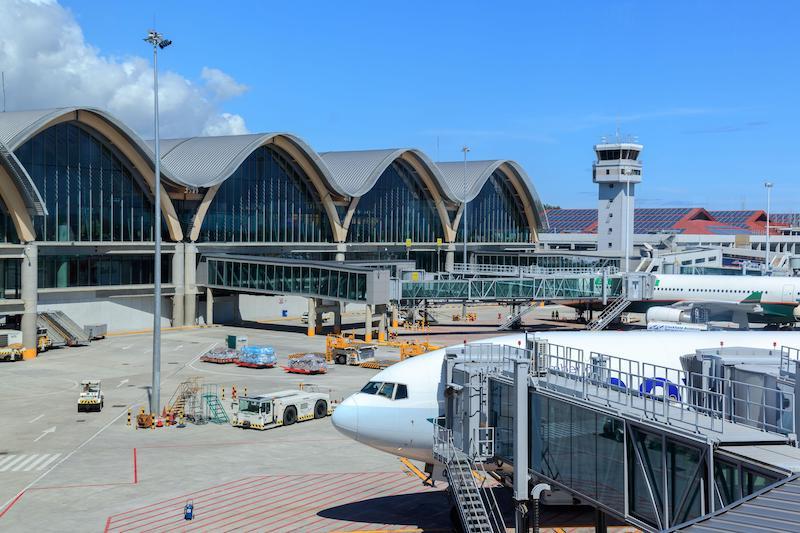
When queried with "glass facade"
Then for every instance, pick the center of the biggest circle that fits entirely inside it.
(9, 279)
(501, 418)
(308, 280)
(8, 233)
(267, 199)
(56, 271)
(580, 448)
(496, 214)
(398, 207)
(91, 191)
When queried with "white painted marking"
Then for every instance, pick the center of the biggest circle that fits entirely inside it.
(35, 419)
(126, 347)
(123, 382)
(50, 460)
(45, 432)
(37, 464)
(12, 463)
(6, 460)
(178, 348)
(26, 462)
(70, 454)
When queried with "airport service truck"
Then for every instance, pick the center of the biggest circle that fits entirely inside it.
(282, 408)
(91, 397)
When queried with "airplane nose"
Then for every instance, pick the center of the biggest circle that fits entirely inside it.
(345, 418)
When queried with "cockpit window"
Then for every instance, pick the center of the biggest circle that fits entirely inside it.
(401, 393)
(371, 387)
(387, 390)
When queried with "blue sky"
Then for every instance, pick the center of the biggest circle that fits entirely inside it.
(710, 88)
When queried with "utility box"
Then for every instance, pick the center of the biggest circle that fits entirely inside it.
(237, 342)
(96, 331)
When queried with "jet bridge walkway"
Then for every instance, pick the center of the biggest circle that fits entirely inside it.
(654, 446)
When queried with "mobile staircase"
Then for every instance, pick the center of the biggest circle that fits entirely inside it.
(515, 320)
(63, 326)
(611, 312)
(183, 397)
(476, 504)
(216, 412)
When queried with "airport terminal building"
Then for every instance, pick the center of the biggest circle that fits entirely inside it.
(76, 212)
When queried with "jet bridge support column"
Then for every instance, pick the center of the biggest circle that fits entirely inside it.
(209, 306)
(190, 284)
(521, 421)
(178, 270)
(337, 318)
(313, 315)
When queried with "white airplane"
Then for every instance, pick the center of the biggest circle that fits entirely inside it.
(394, 411)
(741, 299)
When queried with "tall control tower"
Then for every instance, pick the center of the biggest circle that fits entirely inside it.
(616, 171)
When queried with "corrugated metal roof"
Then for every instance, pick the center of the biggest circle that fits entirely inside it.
(208, 161)
(776, 508)
(17, 126)
(357, 171)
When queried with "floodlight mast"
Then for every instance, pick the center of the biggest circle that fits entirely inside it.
(157, 41)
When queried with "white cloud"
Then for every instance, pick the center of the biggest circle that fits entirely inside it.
(48, 63)
(220, 84)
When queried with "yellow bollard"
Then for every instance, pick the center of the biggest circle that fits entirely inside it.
(245, 391)
(129, 416)
(223, 393)
(153, 420)
(233, 392)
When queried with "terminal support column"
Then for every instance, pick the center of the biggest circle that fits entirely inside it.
(312, 317)
(178, 318)
(190, 284)
(450, 257)
(337, 318)
(209, 306)
(383, 326)
(368, 323)
(30, 299)
(340, 249)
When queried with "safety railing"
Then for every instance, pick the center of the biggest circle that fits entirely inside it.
(790, 361)
(531, 270)
(670, 395)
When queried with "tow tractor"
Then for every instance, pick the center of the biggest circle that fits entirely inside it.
(91, 398)
(282, 408)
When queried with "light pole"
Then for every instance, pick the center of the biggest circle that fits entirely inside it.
(465, 150)
(157, 41)
(768, 186)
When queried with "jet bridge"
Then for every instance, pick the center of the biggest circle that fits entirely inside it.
(654, 446)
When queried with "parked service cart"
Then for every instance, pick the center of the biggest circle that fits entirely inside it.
(282, 408)
(91, 397)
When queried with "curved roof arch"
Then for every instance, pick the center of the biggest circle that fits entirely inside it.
(478, 172)
(356, 172)
(17, 127)
(203, 162)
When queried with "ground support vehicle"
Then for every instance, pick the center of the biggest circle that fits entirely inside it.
(282, 408)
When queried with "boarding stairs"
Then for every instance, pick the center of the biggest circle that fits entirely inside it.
(477, 506)
(63, 326)
(612, 311)
(515, 320)
(216, 412)
(183, 395)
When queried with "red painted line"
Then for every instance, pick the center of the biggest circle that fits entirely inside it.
(135, 469)
(361, 525)
(389, 490)
(180, 497)
(11, 504)
(260, 505)
(348, 496)
(323, 488)
(251, 495)
(354, 522)
(238, 443)
(108, 523)
(137, 515)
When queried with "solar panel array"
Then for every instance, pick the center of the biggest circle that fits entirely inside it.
(653, 220)
(727, 230)
(734, 218)
(571, 220)
(790, 219)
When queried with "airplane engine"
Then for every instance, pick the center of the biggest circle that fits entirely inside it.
(668, 314)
